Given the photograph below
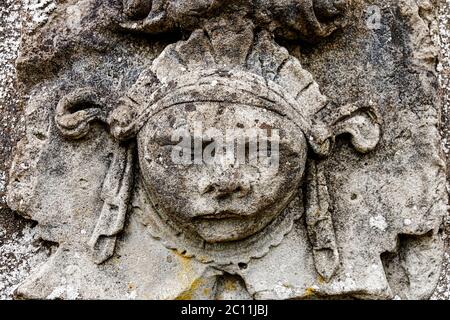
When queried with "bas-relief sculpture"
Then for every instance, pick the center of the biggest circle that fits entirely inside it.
(95, 169)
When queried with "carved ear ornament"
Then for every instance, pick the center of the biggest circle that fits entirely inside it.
(116, 194)
(74, 114)
(359, 120)
(76, 111)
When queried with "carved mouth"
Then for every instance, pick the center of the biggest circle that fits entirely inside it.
(220, 215)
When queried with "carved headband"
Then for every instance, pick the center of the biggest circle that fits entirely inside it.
(231, 87)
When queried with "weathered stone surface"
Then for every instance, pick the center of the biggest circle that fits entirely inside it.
(354, 209)
(20, 248)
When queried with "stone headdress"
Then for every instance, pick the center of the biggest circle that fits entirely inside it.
(256, 72)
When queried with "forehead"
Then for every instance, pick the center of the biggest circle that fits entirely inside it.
(220, 115)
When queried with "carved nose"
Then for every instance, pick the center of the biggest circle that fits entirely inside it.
(223, 189)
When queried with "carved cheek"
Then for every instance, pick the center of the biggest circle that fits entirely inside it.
(146, 156)
(292, 167)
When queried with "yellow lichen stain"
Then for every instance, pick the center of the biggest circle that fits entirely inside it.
(185, 264)
(78, 212)
(180, 255)
(320, 279)
(185, 276)
(230, 285)
(115, 260)
(206, 291)
(190, 293)
(203, 259)
(309, 292)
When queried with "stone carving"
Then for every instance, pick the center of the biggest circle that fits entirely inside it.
(132, 223)
(306, 19)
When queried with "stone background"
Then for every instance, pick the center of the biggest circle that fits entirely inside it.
(20, 251)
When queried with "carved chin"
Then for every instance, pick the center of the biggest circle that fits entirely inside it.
(224, 230)
(213, 242)
(226, 226)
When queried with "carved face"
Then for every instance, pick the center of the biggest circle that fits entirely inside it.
(219, 200)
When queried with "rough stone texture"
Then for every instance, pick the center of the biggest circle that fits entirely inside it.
(443, 289)
(408, 62)
(20, 249)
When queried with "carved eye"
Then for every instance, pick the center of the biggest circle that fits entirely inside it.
(137, 9)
